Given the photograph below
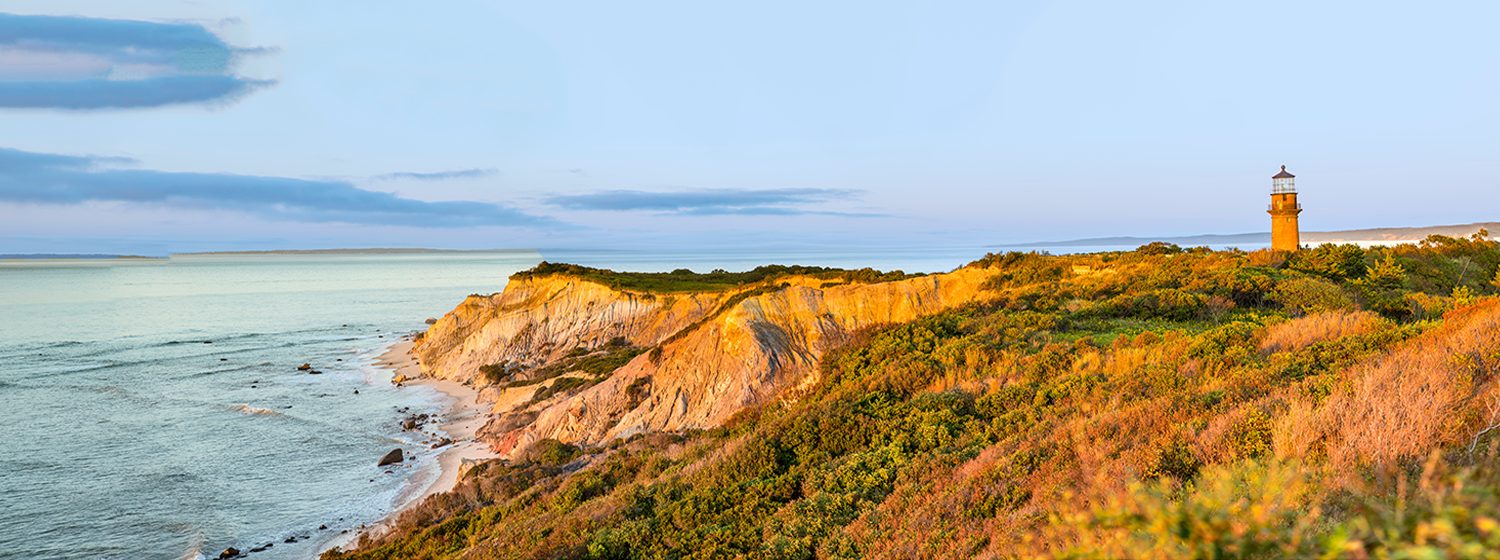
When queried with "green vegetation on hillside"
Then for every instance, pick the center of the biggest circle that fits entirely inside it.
(684, 280)
(1157, 403)
(589, 365)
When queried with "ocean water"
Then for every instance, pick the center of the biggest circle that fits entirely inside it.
(152, 409)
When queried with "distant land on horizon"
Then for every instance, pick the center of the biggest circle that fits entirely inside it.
(1376, 235)
(81, 256)
(1389, 235)
(373, 251)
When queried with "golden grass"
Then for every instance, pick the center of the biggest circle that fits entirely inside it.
(1301, 333)
(1428, 393)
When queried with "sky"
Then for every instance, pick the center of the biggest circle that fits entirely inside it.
(152, 127)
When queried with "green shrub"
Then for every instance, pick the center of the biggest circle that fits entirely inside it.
(1310, 296)
(1334, 262)
(552, 452)
(1239, 511)
(494, 373)
(1382, 288)
(1158, 248)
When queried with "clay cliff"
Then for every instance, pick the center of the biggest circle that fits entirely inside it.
(710, 354)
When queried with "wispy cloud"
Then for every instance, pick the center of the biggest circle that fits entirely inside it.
(27, 177)
(709, 202)
(69, 62)
(439, 176)
(774, 211)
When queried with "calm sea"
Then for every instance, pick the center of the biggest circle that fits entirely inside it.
(152, 409)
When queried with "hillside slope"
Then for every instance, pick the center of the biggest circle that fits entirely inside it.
(1158, 403)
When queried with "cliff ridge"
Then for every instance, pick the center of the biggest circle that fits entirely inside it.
(702, 356)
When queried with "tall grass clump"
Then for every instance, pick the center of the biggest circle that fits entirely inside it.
(1306, 331)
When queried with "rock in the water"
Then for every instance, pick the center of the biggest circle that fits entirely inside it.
(322, 527)
(400, 379)
(314, 372)
(442, 442)
(431, 321)
(230, 552)
(304, 367)
(393, 457)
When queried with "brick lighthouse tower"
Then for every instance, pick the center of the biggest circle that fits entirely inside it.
(1283, 211)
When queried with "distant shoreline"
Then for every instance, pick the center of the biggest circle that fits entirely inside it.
(68, 256)
(1380, 235)
(378, 251)
(310, 252)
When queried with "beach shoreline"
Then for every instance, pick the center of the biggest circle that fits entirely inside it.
(461, 419)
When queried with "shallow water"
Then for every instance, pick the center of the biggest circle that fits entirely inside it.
(153, 409)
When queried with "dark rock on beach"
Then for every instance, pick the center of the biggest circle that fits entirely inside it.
(414, 422)
(393, 457)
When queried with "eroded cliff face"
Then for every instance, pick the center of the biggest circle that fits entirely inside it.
(537, 321)
(713, 354)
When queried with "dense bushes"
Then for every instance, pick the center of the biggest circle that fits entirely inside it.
(1157, 403)
(684, 280)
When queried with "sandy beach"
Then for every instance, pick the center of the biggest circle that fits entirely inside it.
(460, 421)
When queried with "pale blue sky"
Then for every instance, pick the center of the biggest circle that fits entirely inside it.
(279, 124)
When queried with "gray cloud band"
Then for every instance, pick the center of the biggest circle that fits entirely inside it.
(27, 177)
(438, 176)
(146, 64)
(763, 202)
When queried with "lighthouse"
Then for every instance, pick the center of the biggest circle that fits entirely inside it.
(1283, 211)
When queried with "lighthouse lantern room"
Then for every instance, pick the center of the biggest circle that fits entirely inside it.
(1284, 210)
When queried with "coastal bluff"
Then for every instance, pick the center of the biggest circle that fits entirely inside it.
(699, 357)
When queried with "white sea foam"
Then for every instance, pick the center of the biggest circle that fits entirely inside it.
(247, 409)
